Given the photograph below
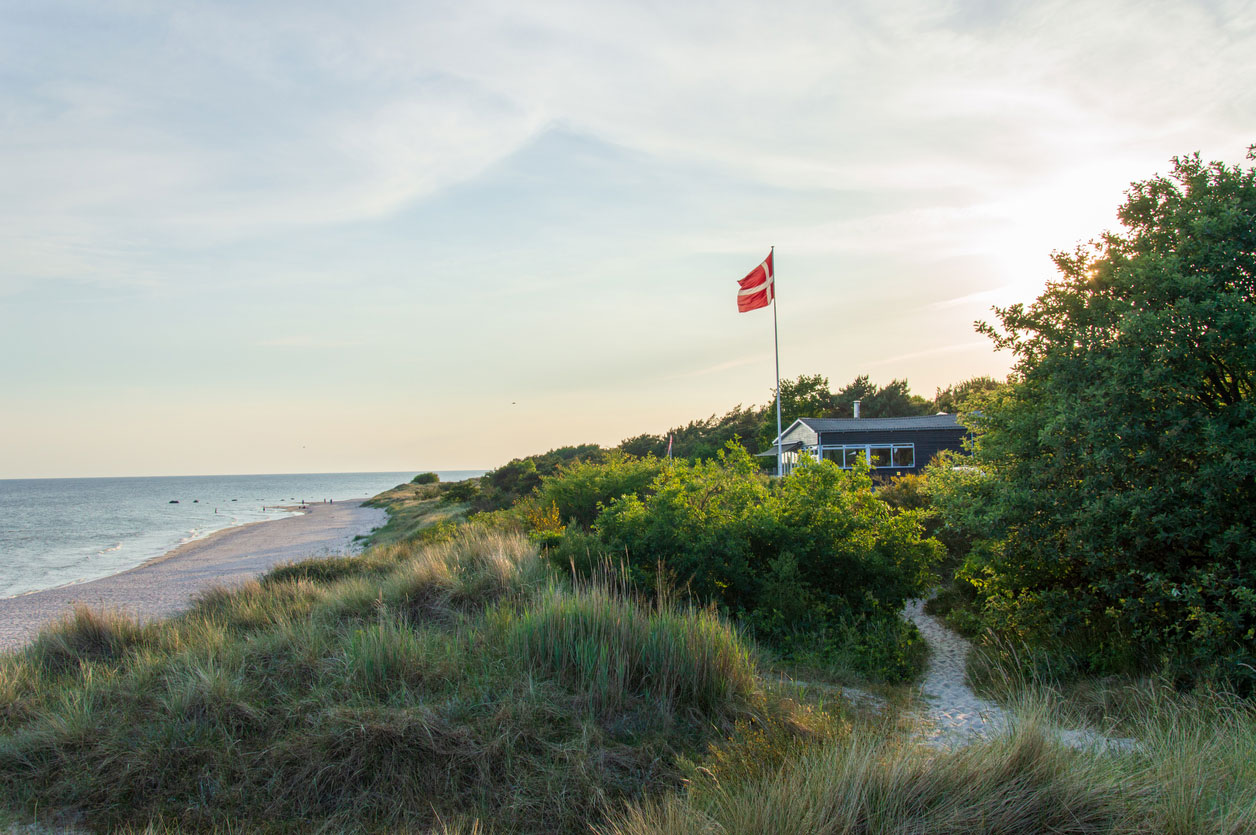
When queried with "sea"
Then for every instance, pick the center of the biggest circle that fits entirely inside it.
(56, 531)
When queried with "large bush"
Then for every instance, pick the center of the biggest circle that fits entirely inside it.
(1118, 475)
(806, 551)
(580, 489)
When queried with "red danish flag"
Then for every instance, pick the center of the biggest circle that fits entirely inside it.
(757, 289)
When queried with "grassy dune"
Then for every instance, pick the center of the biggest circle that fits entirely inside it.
(414, 511)
(466, 686)
(410, 688)
(1193, 771)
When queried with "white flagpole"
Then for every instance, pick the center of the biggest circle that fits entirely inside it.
(776, 342)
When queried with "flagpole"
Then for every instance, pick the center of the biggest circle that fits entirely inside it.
(776, 343)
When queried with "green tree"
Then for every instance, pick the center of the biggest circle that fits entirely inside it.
(963, 397)
(1119, 471)
(894, 400)
(804, 396)
(700, 440)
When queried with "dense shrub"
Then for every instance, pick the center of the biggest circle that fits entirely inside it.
(1112, 500)
(814, 549)
(460, 492)
(505, 486)
(581, 489)
(425, 478)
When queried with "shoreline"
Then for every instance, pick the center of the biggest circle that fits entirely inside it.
(207, 540)
(174, 550)
(166, 584)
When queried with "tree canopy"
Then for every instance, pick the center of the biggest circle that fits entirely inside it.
(1120, 468)
(811, 397)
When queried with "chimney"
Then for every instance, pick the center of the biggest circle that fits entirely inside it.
(856, 408)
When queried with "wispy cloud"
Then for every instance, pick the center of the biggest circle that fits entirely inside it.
(958, 348)
(756, 359)
(994, 295)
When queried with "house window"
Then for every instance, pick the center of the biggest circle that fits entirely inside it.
(876, 456)
(904, 455)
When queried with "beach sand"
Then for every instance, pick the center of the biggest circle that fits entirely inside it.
(167, 584)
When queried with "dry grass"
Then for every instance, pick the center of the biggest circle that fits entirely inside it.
(1192, 771)
(402, 690)
(414, 510)
(466, 687)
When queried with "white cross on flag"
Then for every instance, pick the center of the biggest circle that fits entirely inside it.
(757, 289)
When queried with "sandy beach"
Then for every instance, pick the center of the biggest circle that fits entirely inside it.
(166, 585)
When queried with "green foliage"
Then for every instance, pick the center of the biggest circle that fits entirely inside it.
(892, 400)
(425, 478)
(966, 396)
(460, 492)
(580, 551)
(699, 440)
(810, 396)
(907, 492)
(580, 489)
(501, 488)
(1112, 508)
(698, 523)
(414, 509)
(815, 549)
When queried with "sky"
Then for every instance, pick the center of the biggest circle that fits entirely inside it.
(250, 237)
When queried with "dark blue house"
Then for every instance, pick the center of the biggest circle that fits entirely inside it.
(889, 446)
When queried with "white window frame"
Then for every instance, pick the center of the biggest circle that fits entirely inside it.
(867, 454)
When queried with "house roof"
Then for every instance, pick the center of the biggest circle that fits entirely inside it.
(790, 447)
(880, 424)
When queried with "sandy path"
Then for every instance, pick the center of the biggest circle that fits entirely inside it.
(166, 585)
(953, 714)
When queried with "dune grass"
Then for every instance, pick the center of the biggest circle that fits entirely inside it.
(618, 651)
(467, 686)
(414, 512)
(1191, 769)
(456, 684)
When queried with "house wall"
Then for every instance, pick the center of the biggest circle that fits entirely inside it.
(799, 432)
(928, 443)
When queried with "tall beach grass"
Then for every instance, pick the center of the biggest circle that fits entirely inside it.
(1191, 769)
(463, 683)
